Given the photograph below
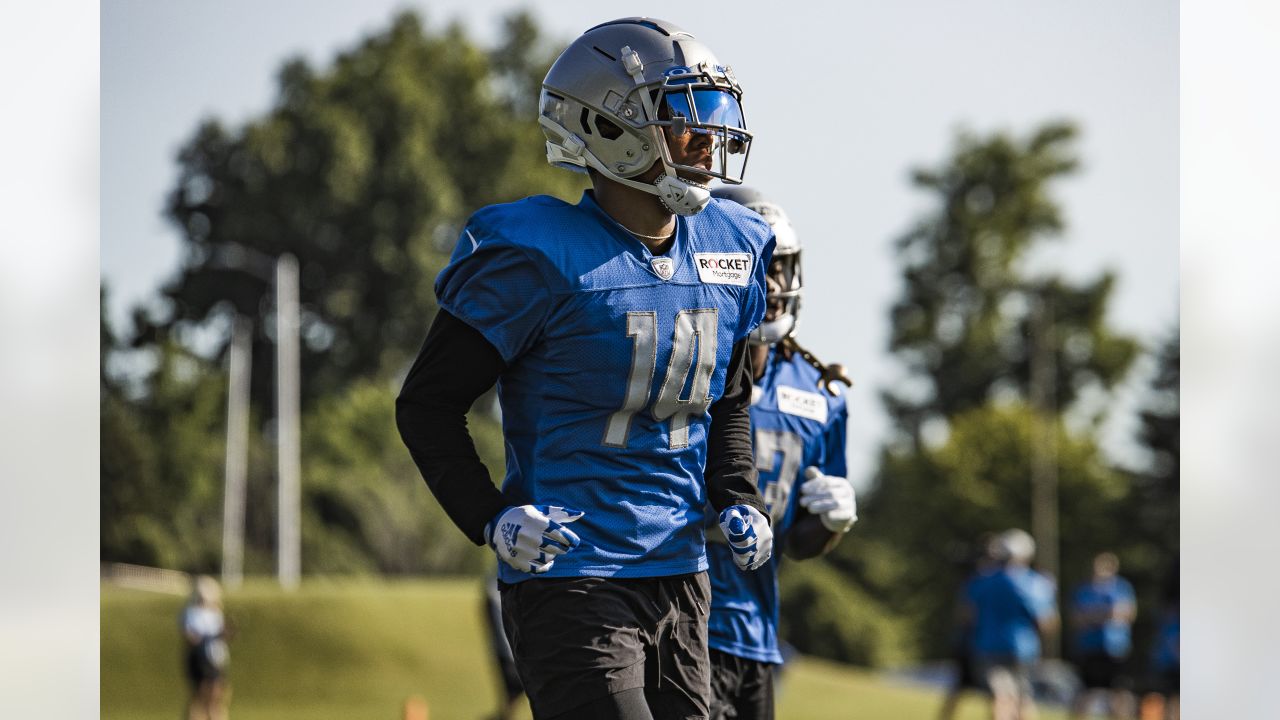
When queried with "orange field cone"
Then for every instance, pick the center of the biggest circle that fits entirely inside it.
(1152, 707)
(415, 708)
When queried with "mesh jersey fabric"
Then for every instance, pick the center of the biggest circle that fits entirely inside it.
(610, 367)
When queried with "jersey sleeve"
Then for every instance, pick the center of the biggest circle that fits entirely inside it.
(1124, 592)
(497, 288)
(1039, 597)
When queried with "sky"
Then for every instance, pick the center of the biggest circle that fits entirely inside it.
(843, 100)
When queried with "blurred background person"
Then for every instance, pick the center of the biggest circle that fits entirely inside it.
(981, 563)
(204, 628)
(1011, 608)
(1102, 613)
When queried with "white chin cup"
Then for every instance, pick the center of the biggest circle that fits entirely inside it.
(771, 332)
(682, 197)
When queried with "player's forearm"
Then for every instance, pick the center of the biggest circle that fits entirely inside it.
(731, 469)
(456, 366)
(809, 538)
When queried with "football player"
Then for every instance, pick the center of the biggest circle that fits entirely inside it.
(798, 420)
(1102, 614)
(1011, 609)
(616, 331)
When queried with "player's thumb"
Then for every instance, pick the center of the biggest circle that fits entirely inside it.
(812, 472)
(564, 515)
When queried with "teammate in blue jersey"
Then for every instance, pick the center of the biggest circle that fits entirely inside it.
(798, 424)
(1010, 608)
(1102, 612)
(616, 332)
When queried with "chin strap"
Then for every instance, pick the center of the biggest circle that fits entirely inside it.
(681, 197)
(830, 374)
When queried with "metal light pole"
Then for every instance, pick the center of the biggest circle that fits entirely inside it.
(289, 546)
(237, 459)
(1044, 455)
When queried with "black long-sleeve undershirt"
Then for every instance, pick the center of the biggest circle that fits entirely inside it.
(457, 365)
(731, 466)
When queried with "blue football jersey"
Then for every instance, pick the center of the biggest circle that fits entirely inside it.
(1007, 606)
(794, 425)
(1113, 636)
(613, 356)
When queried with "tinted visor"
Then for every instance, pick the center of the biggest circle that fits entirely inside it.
(706, 107)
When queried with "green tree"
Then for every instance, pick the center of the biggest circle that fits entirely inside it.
(969, 329)
(364, 169)
(1156, 487)
(963, 328)
(161, 466)
(365, 508)
(1149, 555)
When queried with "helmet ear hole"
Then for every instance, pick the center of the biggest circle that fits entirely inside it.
(607, 129)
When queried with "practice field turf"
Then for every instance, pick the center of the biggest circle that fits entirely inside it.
(347, 650)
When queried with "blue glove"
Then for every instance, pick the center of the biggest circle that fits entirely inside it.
(529, 538)
(749, 535)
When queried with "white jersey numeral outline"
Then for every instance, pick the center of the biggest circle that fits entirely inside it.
(770, 444)
(693, 348)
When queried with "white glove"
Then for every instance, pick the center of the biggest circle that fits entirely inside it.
(749, 536)
(529, 538)
(830, 498)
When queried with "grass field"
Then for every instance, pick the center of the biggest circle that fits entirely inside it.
(348, 650)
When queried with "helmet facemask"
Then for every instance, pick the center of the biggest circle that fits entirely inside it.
(782, 300)
(707, 103)
(682, 104)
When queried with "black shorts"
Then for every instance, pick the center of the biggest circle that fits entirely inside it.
(967, 677)
(577, 640)
(1099, 671)
(206, 661)
(1168, 682)
(740, 688)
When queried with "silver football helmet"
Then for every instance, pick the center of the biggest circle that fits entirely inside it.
(785, 283)
(608, 97)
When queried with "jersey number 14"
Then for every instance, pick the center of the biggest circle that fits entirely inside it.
(693, 349)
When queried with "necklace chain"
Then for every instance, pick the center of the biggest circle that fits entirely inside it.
(651, 237)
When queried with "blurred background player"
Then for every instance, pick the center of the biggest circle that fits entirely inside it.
(1102, 612)
(616, 331)
(204, 628)
(799, 429)
(1011, 608)
(980, 562)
